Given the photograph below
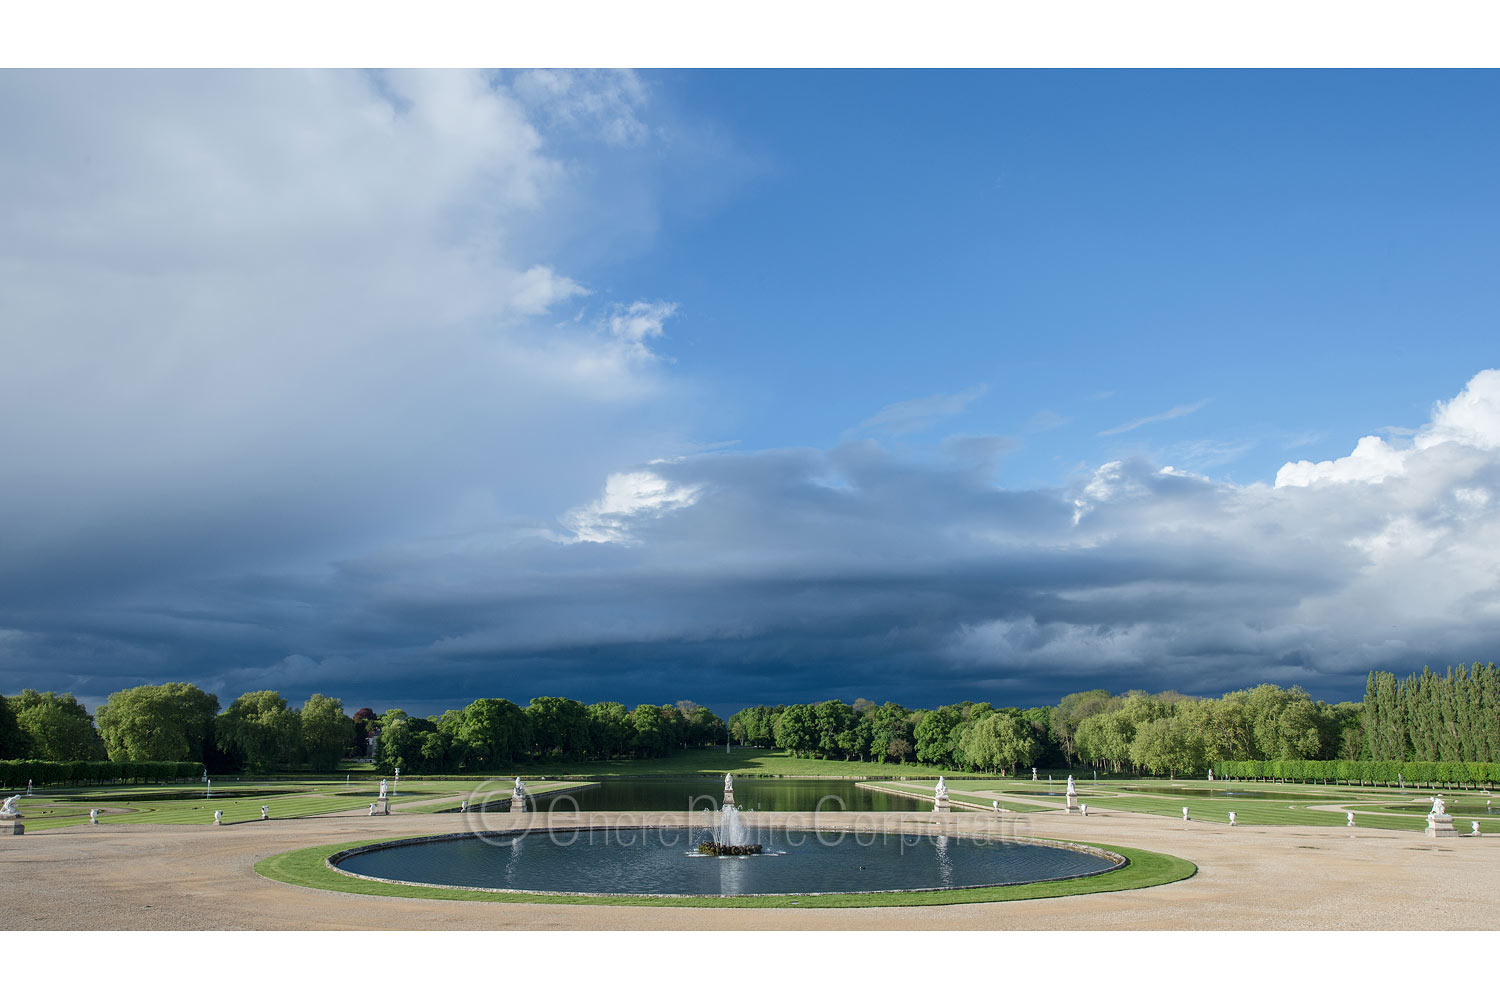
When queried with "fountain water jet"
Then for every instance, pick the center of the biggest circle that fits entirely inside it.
(730, 834)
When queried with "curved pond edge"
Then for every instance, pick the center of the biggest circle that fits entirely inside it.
(314, 868)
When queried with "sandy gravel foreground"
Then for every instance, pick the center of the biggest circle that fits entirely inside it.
(141, 877)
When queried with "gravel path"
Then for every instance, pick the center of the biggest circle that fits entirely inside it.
(144, 877)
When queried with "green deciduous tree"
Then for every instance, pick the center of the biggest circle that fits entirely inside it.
(158, 722)
(326, 732)
(260, 730)
(559, 728)
(1000, 741)
(492, 733)
(934, 733)
(56, 726)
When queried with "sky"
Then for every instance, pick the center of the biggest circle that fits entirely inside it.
(411, 388)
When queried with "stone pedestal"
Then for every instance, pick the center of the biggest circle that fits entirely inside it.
(1440, 826)
(517, 803)
(729, 796)
(941, 804)
(1071, 803)
(11, 826)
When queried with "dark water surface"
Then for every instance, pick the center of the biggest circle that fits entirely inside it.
(657, 862)
(757, 794)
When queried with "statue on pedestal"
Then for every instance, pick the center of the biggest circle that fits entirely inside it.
(518, 790)
(1439, 807)
(385, 788)
(8, 808)
(940, 802)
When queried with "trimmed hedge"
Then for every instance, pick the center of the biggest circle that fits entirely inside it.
(1363, 772)
(15, 773)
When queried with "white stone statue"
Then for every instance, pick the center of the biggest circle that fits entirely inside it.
(1083, 807)
(218, 817)
(942, 788)
(384, 788)
(1350, 817)
(1033, 774)
(94, 816)
(1231, 819)
(265, 812)
(1184, 812)
(1071, 790)
(8, 807)
(463, 806)
(28, 786)
(518, 790)
(372, 809)
(728, 782)
(1439, 807)
(1475, 824)
(1210, 774)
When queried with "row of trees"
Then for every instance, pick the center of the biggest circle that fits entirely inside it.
(492, 733)
(16, 773)
(967, 736)
(1454, 716)
(42, 725)
(260, 732)
(1364, 772)
(1162, 733)
(1428, 717)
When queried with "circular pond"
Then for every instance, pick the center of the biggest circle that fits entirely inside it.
(664, 862)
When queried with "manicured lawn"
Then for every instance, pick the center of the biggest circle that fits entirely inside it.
(241, 802)
(1146, 868)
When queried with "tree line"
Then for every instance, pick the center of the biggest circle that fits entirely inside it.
(260, 732)
(1454, 717)
(1427, 717)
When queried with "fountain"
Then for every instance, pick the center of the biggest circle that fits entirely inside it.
(731, 838)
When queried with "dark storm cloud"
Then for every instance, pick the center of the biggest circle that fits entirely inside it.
(795, 575)
(329, 434)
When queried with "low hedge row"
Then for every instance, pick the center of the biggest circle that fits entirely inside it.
(1363, 772)
(15, 773)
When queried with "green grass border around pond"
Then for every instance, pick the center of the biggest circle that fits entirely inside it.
(308, 868)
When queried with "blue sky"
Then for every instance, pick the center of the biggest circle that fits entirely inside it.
(1095, 247)
(412, 388)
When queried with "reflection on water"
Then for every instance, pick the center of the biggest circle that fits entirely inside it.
(638, 862)
(750, 794)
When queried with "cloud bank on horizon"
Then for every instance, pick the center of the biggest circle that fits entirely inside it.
(308, 388)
